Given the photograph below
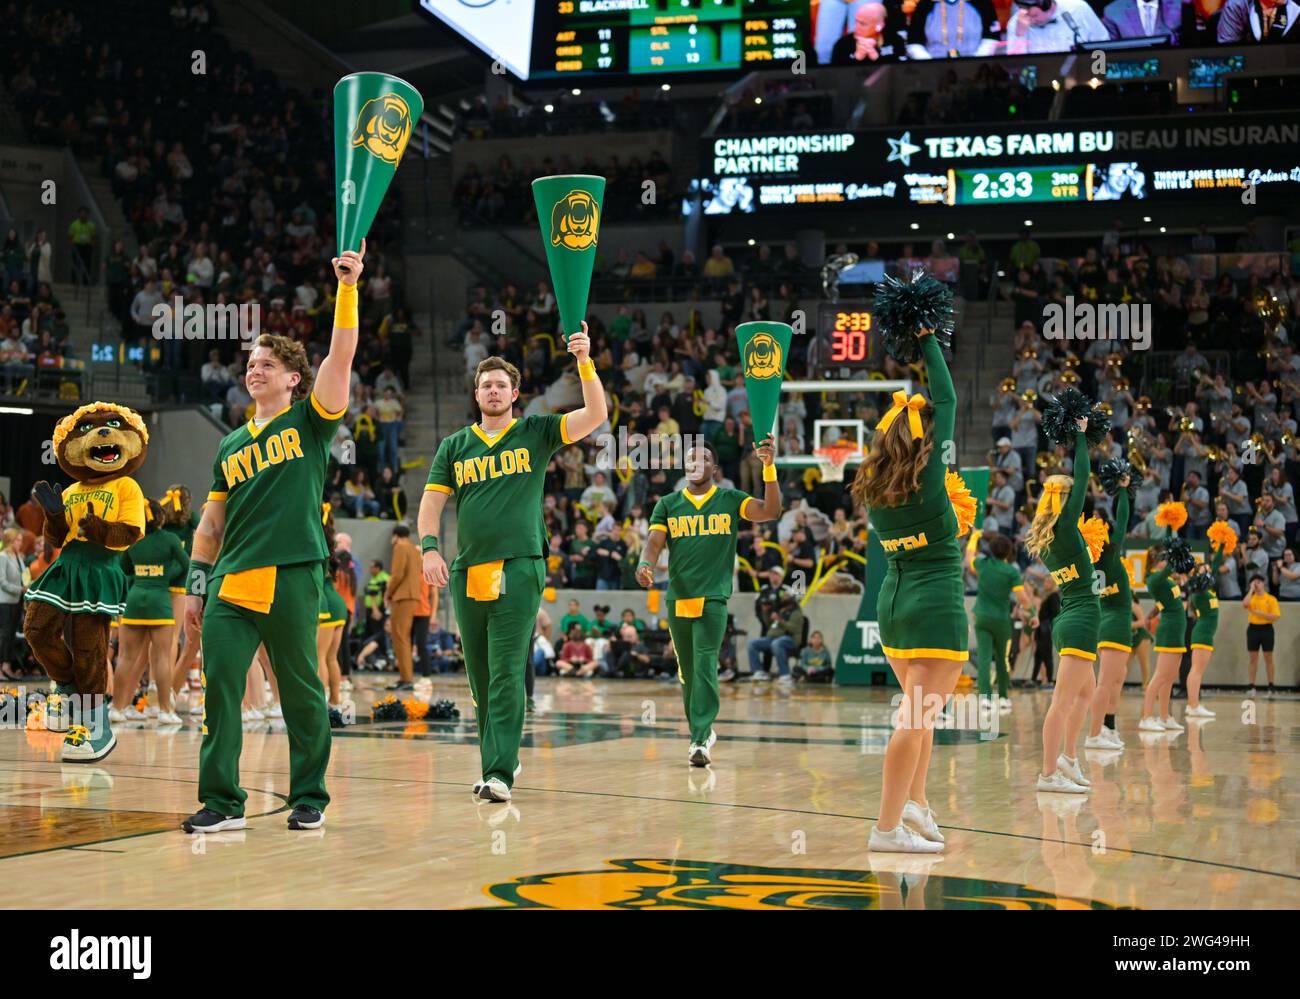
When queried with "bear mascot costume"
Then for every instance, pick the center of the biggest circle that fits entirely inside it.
(71, 605)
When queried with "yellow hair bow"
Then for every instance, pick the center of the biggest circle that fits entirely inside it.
(913, 406)
(172, 496)
(324, 513)
(148, 513)
(1051, 497)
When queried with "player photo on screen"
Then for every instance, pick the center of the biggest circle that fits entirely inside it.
(1118, 182)
(863, 32)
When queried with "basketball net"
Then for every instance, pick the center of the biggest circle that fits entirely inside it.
(831, 462)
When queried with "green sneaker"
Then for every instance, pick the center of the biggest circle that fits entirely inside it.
(531, 706)
(58, 707)
(90, 743)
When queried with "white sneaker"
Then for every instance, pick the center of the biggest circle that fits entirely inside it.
(478, 784)
(1251, 693)
(345, 685)
(784, 680)
(1071, 769)
(253, 715)
(1151, 724)
(760, 676)
(1098, 741)
(132, 713)
(196, 708)
(168, 718)
(923, 820)
(1115, 741)
(1004, 705)
(115, 716)
(1172, 724)
(1060, 783)
(495, 790)
(901, 839)
(274, 711)
(1200, 711)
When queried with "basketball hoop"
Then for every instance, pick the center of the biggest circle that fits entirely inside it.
(831, 462)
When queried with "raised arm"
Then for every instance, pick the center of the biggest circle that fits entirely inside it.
(594, 411)
(1079, 490)
(334, 379)
(943, 396)
(1122, 514)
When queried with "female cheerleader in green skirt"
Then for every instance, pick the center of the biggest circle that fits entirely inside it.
(921, 608)
(333, 617)
(1167, 566)
(1115, 636)
(1141, 642)
(1055, 538)
(1205, 601)
(998, 580)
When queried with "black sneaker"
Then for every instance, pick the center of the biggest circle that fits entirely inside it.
(205, 820)
(401, 686)
(306, 817)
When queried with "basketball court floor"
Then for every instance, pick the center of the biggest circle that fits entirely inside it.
(607, 813)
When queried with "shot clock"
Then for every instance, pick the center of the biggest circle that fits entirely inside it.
(847, 341)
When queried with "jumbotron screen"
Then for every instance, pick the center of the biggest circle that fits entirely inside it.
(573, 39)
(1162, 160)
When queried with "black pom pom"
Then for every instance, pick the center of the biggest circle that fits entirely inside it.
(1110, 471)
(1060, 419)
(1179, 554)
(1198, 581)
(388, 709)
(903, 308)
(443, 710)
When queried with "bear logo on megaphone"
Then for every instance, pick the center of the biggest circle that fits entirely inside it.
(383, 128)
(575, 220)
(762, 357)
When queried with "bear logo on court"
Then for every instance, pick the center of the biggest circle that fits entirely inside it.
(763, 357)
(383, 128)
(575, 220)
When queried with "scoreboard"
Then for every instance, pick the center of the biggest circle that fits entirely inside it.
(847, 340)
(639, 37)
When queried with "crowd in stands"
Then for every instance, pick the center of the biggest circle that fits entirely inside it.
(503, 118)
(33, 325)
(634, 188)
(226, 179)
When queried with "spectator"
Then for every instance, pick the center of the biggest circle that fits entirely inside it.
(359, 498)
(576, 656)
(82, 234)
(402, 598)
(815, 664)
(783, 635)
(12, 571)
(39, 256)
(390, 412)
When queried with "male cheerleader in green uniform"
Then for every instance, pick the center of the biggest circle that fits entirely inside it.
(258, 557)
(699, 525)
(1205, 602)
(998, 579)
(496, 469)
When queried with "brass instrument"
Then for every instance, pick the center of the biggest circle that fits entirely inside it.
(1029, 396)
(1114, 361)
(1007, 386)
(1071, 360)
(1122, 384)
(1186, 424)
(1107, 408)
(1029, 354)
(1143, 403)
(1213, 453)
(1070, 377)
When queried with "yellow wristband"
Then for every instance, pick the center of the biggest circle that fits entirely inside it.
(346, 316)
(769, 473)
(587, 370)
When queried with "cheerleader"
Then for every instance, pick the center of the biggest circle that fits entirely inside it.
(333, 617)
(921, 610)
(998, 580)
(1205, 602)
(1056, 537)
(1141, 641)
(1167, 566)
(1115, 636)
(179, 519)
(156, 566)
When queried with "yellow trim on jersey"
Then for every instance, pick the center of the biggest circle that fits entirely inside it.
(1171, 648)
(743, 514)
(564, 429)
(1198, 645)
(659, 527)
(322, 411)
(437, 487)
(493, 441)
(950, 654)
(689, 607)
(331, 624)
(218, 497)
(254, 429)
(699, 503)
(1017, 589)
(1114, 645)
(1068, 651)
(176, 589)
(148, 622)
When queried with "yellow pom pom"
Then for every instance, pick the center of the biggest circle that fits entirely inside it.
(963, 503)
(1171, 515)
(1096, 532)
(1221, 535)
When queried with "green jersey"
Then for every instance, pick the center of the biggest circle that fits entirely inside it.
(1067, 556)
(156, 561)
(701, 537)
(498, 481)
(272, 479)
(997, 581)
(1117, 594)
(184, 532)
